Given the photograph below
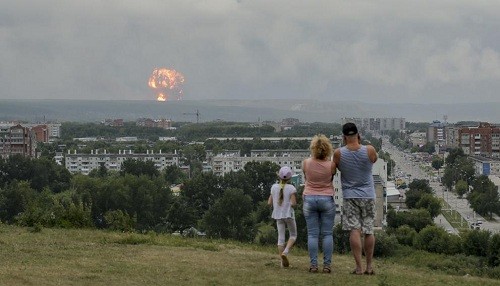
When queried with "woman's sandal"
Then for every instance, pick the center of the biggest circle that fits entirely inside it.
(313, 269)
(371, 272)
(327, 269)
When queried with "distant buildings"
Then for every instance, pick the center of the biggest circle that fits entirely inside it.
(16, 138)
(227, 162)
(377, 124)
(483, 140)
(85, 163)
(159, 123)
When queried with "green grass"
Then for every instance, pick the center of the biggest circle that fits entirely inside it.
(93, 257)
(453, 217)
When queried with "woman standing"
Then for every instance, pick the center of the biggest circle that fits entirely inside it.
(319, 205)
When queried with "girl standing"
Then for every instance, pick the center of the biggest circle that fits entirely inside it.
(283, 199)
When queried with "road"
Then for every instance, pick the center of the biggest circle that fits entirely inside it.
(409, 168)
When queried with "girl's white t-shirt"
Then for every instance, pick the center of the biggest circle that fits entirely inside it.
(284, 210)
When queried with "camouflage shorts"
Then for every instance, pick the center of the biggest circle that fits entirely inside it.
(358, 214)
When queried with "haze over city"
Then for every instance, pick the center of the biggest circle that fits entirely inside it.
(379, 52)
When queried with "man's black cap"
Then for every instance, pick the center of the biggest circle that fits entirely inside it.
(349, 129)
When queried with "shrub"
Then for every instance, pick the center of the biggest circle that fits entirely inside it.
(405, 235)
(119, 220)
(341, 239)
(385, 245)
(476, 242)
(266, 235)
(416, 219)
(436, 239)
(494, 252)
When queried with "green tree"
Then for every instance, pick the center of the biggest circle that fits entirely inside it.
(437, 162)
(119, 220)
(417, 219)
(230, 217)
(15, 199)
(453, 155)
(461, 188)
(435, 239)
(174, 174)
(180, 216)
(261, 176)
(484, 198)
(430, 203)
(417, 188)
(202, 191)
(476, 242)
(137, 168)
(494, 250)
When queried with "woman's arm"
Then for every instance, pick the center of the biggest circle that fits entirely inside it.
(270, 200)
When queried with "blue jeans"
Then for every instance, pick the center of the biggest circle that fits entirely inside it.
(319, 212)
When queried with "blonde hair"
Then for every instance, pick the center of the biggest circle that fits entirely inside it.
(321, 147)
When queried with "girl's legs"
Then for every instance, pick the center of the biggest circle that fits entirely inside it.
(292, 231)
(280, 224)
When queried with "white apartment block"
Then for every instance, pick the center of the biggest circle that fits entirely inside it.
(85, 163)
(233, 162)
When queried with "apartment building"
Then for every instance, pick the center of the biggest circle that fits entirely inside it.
(451, 137)
(85, 163)
(436, 132)
(17, 139)
(232, 162)
(160, 123)
(483, 140)
(377, 124)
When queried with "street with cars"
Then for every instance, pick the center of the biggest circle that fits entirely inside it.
(408, 167)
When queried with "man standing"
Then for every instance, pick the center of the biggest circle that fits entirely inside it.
(355, 163)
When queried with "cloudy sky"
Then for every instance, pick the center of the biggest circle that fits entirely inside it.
(374, 51)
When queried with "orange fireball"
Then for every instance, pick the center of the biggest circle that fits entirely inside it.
(166, 82)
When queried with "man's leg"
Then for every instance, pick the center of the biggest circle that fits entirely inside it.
(355, 242)
(369, 247)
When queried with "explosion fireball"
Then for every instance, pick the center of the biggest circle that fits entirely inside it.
(166, 82)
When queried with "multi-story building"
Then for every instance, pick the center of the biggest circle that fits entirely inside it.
(451, 138)
(377, 124)
(54, 130)
(41, 133)
(436, 133)
(480, 140)
(85, 163)
(17, 140)
(160, 123)
(232, 162)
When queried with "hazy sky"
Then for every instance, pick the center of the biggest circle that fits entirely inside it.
(375, 51)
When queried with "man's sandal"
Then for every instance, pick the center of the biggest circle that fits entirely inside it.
(313, 269)
(327, 269)
(356, 272)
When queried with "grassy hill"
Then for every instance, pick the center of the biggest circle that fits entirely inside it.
(93, 257)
